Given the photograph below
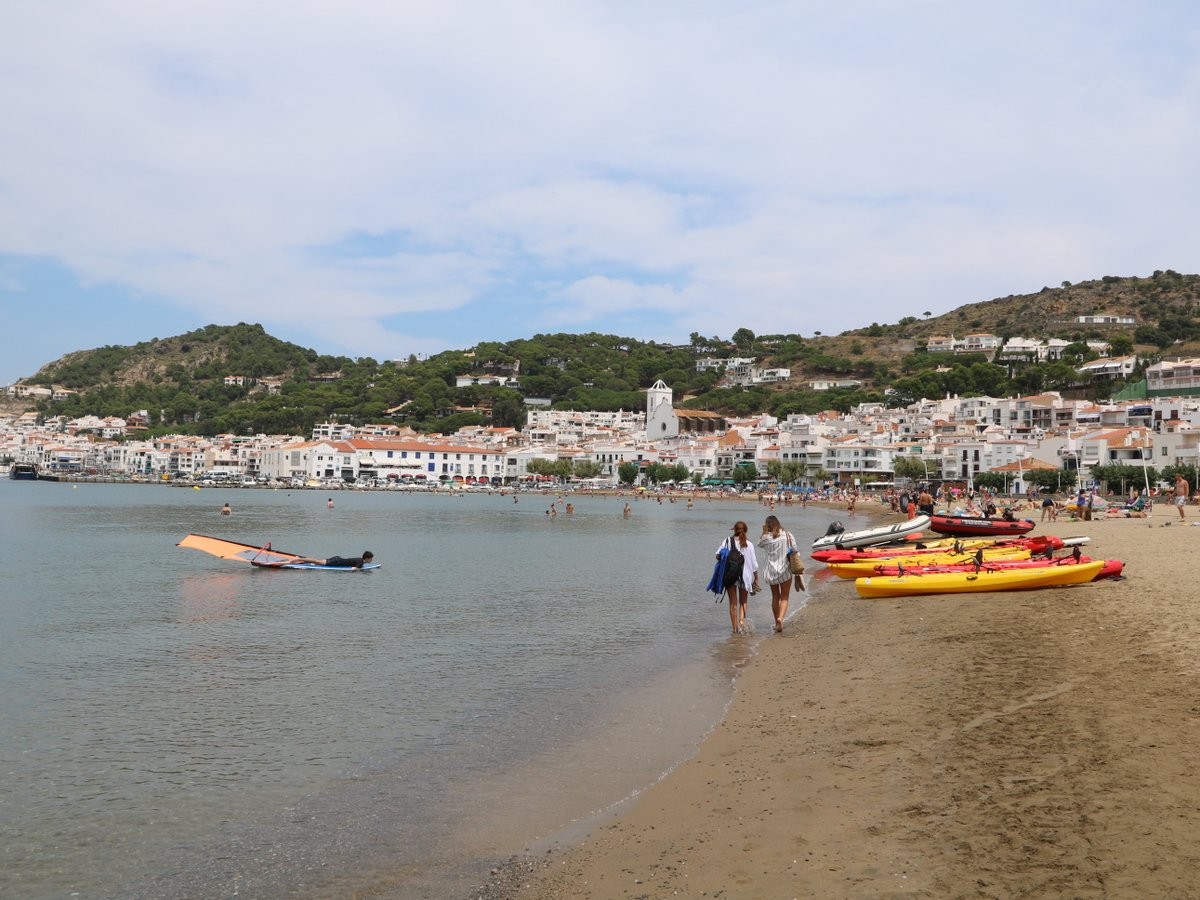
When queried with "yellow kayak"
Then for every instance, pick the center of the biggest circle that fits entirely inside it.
(860, 567)
(973, 582)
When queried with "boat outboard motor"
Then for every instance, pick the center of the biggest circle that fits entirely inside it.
(835, 528)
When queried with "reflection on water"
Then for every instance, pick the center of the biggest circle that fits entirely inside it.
(190, 724)
(210, 597)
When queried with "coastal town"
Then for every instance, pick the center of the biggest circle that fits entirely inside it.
(951, 439)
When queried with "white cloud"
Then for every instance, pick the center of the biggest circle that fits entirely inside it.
(814, 166)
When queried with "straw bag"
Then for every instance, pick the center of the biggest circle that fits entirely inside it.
(795, 563)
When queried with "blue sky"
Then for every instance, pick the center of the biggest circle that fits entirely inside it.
(379, 179)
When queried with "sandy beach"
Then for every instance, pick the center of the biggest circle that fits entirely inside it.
(1039, 743)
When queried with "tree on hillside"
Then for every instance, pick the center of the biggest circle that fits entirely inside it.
(1078, 351)
(743, 338)
(1120, 346)
(508, 408)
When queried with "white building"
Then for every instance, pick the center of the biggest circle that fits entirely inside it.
(610, 457)
(310, 460)
(828, 384)
(442, 462)
(547, 423)
(1174, 376)
(29, 391)
(516, 461)
(1117, 367)
(730, 364)
(661, 421)
(856, 462)
(484, 380)
(700, 455)
(981, 343)
(941, 344)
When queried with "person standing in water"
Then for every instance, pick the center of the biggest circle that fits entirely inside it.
(777, 572)
(329, 503)
(226, 510)
(738, 592)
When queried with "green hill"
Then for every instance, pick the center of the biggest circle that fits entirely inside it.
(180, 380)
(210, 352)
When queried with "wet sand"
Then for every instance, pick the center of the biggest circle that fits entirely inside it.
(1040, 743)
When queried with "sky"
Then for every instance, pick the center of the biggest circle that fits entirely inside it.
(388, 178)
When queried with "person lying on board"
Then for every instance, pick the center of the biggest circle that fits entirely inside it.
(338, 562)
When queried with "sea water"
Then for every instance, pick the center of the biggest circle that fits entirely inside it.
(175, 725)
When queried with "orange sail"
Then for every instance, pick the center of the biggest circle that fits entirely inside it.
(224, 549)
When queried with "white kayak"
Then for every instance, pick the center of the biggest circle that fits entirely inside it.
(884, 534)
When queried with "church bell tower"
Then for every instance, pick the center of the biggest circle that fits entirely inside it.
(661, 421)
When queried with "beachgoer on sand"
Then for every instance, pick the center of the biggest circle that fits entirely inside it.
(925, 502)
(777, 572)
(1182, 489)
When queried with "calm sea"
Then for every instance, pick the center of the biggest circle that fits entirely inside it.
(174, 725)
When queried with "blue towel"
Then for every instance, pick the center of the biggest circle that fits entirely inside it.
(716, 584)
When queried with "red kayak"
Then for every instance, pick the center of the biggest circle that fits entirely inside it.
(979, 526)
(1038, 544)
(1112, 568)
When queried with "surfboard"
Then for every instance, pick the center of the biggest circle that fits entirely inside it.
(315, 567)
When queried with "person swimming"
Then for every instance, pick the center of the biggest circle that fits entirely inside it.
(339, 562)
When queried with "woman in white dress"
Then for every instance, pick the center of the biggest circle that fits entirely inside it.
(774, 543)
(738, 592)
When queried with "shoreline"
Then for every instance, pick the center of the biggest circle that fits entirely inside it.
(997, 745)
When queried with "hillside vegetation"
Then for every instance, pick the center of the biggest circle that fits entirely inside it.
(180, 380)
